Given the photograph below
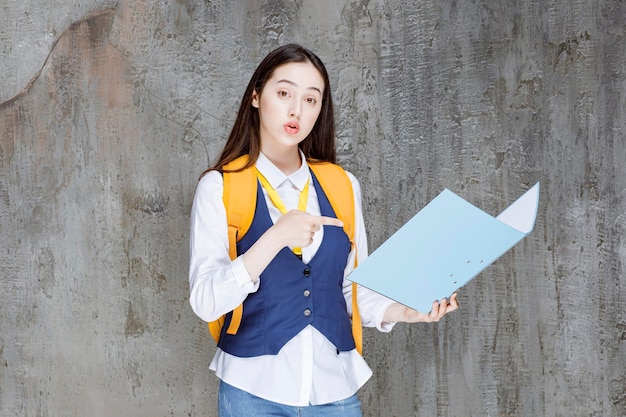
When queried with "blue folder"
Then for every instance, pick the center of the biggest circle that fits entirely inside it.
(443, 247)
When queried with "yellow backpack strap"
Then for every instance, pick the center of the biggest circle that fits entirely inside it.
(240, 192)
(338, 189)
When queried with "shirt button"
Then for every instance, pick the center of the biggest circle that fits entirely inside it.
(306, 293)
(307, 272)
(307, 312)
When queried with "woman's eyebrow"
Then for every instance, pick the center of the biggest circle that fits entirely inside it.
(295, 85)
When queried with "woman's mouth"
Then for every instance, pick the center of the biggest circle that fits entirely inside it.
(292, 127)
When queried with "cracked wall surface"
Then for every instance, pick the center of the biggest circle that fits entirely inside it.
(109, 111)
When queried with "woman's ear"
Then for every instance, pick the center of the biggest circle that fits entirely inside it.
(255, 99)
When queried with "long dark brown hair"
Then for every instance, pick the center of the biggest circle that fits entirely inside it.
(244, 138)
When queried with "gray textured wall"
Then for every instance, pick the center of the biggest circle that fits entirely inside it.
(109, 110)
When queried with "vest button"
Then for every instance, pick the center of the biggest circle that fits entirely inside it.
(306, 293)
(307, 312)
(307, 272)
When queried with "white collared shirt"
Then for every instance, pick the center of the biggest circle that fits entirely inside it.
(308, 369)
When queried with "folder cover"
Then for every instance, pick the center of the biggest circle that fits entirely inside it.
(443, 247)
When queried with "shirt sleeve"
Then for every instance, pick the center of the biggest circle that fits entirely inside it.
(217, 285)
(372, 306)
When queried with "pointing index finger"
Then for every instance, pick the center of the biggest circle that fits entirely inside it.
(329, 221)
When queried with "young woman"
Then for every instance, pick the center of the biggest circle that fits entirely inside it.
(296, 367)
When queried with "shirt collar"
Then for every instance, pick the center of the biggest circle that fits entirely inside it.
(276, 177)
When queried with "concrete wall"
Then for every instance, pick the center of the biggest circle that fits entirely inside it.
(110, 110)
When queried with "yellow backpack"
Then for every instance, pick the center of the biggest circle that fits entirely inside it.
(240, 192)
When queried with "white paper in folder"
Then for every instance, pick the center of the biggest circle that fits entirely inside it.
(443, 247)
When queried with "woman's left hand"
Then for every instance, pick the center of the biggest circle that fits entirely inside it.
(400, 313)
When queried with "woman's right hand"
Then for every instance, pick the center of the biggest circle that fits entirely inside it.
(296, 228)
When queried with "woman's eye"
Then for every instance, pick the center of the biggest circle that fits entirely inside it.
(311, 100)
(282, 94)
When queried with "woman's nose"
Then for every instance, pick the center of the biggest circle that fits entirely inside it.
(295, 110)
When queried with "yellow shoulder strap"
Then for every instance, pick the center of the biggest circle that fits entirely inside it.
(240, 189)
(338, 188)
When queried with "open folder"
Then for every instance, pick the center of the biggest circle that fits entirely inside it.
(443, 247)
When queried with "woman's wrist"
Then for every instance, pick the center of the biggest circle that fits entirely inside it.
(395, 313)
(261, 253)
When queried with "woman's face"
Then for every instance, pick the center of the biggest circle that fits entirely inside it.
(289, 105)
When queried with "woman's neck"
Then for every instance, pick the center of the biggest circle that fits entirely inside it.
(288, 162)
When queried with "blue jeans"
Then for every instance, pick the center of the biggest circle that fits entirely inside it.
(234, 402)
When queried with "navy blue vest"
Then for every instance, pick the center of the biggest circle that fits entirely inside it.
(293, 294)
